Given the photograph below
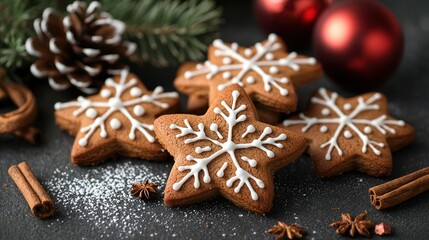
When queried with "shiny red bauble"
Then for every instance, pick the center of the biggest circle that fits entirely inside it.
(293, 20)
(359, 43)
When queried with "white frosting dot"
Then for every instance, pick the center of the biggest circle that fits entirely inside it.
(103, 134)
(115, 123)
(105, 93)
(250, 79)
(217, 53)
(325, 112)
(138, 110)
(248, 52)
(227, 61)
(226, 75)
(272, 37)
(323, 129)
(136, 92)
(82, 142)
(348, 134)
(269, 56)
(284, 80)
(367, 130)
(188, 74)
(214, 69)
(91, 113)
(284, 92)
(283, 61)
(347, 106)
(274, 70)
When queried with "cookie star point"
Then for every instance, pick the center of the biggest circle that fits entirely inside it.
(346, 134)
(227, 152)
(117, 120)
(263, 70)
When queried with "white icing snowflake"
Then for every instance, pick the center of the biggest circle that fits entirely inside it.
(255, 62)
(227, 146)
(115, 103)
(343, 120)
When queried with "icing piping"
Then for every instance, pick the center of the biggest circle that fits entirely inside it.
(248, 63)
(227, 147)
(347, 120)
(114, 103)
(221, 171)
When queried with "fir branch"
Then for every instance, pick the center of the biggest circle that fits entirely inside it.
(16, 25)
(168, 32)
(14, 30)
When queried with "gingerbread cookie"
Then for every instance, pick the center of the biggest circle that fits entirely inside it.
(198, 103)
(346, 134)
(266, 71)
(118, 120)
(268, 116)
(227, 152)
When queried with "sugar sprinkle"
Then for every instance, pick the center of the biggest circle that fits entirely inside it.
(100, 197)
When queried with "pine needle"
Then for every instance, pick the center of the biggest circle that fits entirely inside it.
(168, 32)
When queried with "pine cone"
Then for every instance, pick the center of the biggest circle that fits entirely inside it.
(81, 49)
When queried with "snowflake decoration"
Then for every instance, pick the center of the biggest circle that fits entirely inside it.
(255, 62)
(114, 117)
(265, 71)
(348, 124)
(114, 103)
(228, 146)
(233, 129)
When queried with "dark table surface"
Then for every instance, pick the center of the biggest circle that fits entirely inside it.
(94, 202)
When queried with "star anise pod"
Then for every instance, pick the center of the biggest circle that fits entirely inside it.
(349, 225)
(144, 190)
(284, 231)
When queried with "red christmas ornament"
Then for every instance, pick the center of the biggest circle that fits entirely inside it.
(359, 43)
(293, 20)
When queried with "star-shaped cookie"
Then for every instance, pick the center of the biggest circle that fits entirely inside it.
(227, 152)
(266, 71)
(346, 134)
(117, 120)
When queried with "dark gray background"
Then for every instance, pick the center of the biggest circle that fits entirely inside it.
(300, 197)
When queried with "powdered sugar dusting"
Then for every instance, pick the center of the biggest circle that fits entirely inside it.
(101, 198)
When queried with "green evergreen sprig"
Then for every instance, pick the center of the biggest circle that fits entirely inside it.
(15, 24)
(168, 32)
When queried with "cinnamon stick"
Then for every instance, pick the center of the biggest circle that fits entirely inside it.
(38, 200)
(19, 120)
(399, 190)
